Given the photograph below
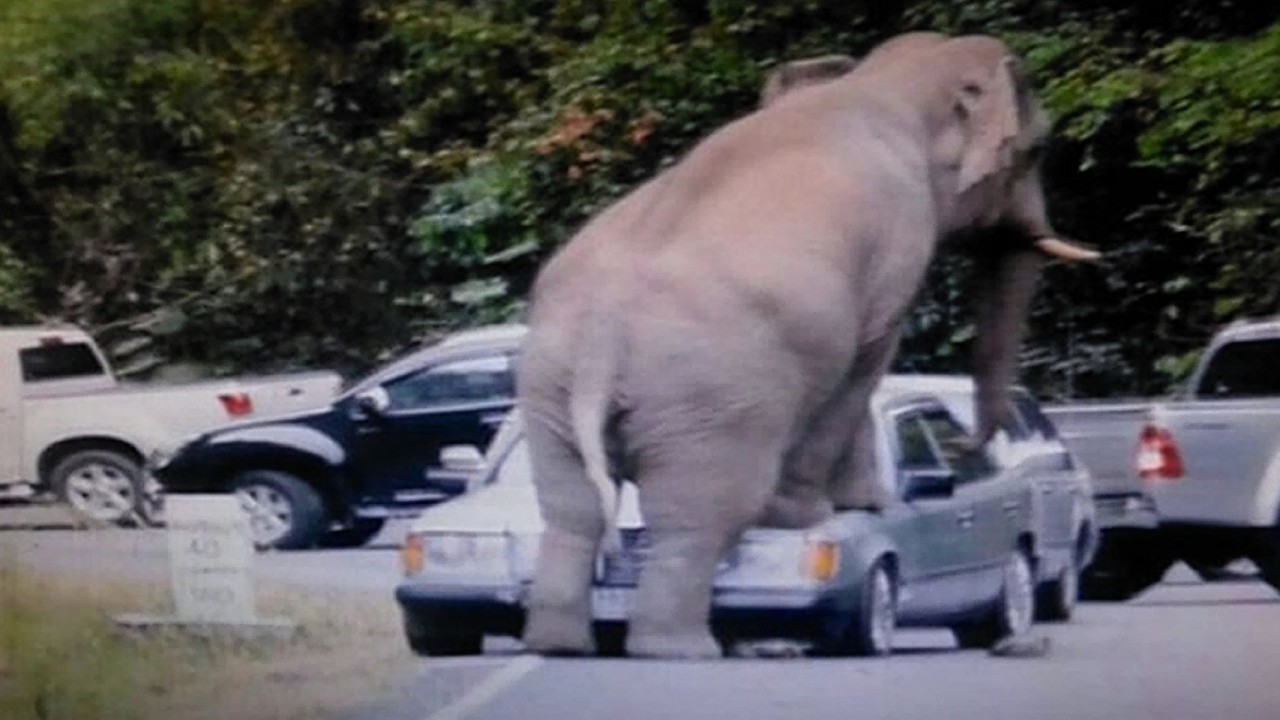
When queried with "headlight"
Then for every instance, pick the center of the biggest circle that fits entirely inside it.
(455, 554)
(782, 561)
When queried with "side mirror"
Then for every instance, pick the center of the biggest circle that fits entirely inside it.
(461, 458)
(927, 484)
(373, 401)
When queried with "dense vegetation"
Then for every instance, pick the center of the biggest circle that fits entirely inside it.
(254, 186)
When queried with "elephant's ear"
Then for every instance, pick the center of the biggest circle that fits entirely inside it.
(988, 108)
(802, 73)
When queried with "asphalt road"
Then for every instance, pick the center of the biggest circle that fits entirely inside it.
(1183, 650)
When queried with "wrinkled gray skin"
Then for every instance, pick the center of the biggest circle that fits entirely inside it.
(715, 335)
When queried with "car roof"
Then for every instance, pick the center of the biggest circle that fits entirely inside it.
(1249, 330)
(499, 338)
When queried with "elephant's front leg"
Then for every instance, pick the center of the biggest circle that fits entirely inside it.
(855, 480)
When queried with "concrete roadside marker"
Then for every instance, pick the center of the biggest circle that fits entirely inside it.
(210, 554)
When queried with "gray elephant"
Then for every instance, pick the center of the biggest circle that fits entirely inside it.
(715, 335)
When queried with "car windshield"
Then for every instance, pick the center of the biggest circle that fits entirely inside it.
(514, 469)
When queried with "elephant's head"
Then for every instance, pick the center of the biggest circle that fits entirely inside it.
(983, 132)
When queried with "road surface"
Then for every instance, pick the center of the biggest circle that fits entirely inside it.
(1184, 650)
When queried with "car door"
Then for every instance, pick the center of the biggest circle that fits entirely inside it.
(461, 401)
(991, 507)
(934, 535)
(1061, 494)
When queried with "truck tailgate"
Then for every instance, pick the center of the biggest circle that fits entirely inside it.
(1104, 438)
(1229, 449)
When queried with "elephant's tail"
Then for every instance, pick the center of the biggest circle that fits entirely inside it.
(589, 408)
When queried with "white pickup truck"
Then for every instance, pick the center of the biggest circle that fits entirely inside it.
(68, 426)
(1209, 457)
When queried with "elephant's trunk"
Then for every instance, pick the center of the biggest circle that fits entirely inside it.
(1006, 286)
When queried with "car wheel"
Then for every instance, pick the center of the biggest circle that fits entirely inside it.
(1124, 568)
(284, 512)
(1266, 555)
(867, 626)
(1056, 600)
(1013, 612)
(359, 532)
(100, 485)
(611, 638)
(430, 638)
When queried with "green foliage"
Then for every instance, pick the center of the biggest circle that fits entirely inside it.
(256, 186)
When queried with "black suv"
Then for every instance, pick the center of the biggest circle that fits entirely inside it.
(333, 476)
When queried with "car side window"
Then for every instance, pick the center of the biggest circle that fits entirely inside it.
(950, 437)
(474, 380)
(915, 452)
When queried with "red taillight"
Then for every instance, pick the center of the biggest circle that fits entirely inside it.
(236, 404)
(1158, 456)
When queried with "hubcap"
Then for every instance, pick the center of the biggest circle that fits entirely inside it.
(100, 491)
(270, 514)
(883, 616)
(1019, 595)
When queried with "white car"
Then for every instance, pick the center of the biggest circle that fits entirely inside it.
(962, 548)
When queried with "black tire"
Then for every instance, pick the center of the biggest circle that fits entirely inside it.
(438, 637)
(865, 627)
(103, 486)
(1266, 555)
(1012, 613)
(359, 532)
(611, 639)
(299, 514)
(1125, 566)
(1056, 600)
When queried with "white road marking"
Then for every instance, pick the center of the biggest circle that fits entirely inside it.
(489, 689)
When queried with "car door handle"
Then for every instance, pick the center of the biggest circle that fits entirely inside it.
(1047, 489)
(493, 419)
(1011, 507)
(965, 518)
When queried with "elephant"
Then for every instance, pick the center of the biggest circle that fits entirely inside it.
(714, 335)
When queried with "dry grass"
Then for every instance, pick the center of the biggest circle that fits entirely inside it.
(62, 657)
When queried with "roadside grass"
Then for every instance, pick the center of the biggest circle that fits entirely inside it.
(63, 658)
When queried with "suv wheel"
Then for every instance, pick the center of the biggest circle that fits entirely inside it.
(284, 512)
(1012, 614)
(1125, 566)
(1266, 555)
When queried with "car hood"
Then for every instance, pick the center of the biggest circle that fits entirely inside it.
(513, 508)
(507, 507)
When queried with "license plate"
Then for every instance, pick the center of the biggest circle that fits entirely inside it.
(611, 603)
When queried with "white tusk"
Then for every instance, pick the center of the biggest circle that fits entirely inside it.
(1066, 251)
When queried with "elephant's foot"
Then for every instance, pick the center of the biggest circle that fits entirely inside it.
(559, 619)
(791, 513)
(556, 632)
(861, 494)
(690, 646)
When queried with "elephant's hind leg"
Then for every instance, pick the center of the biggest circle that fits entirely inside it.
(696, 505)
(559, 608)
